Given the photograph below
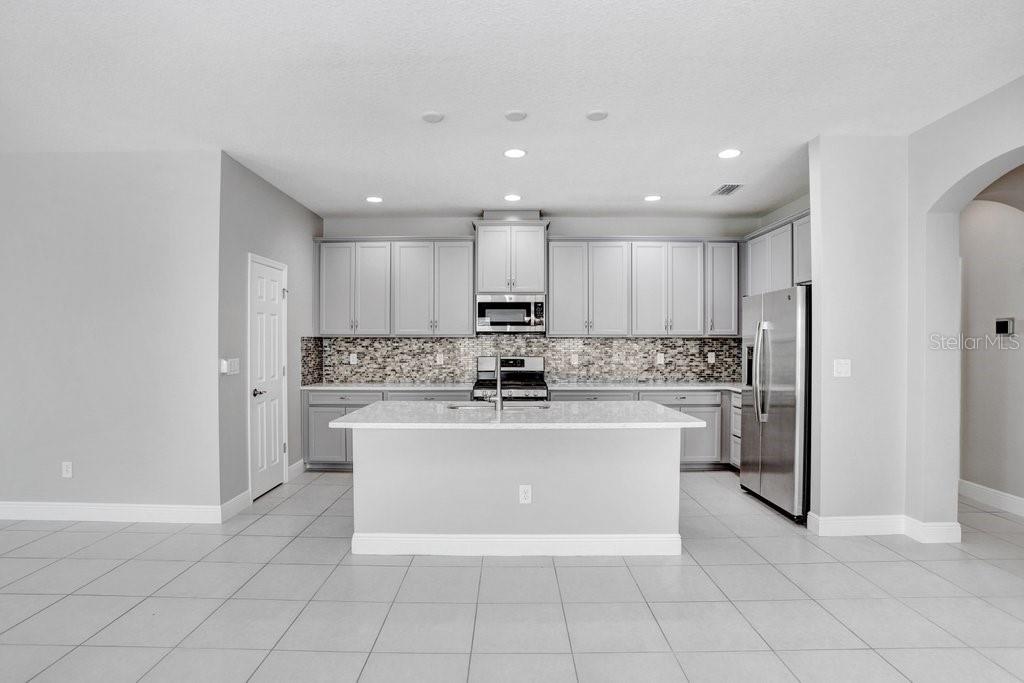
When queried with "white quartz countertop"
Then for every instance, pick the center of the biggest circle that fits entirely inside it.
(552, 384)
(390, 386)
(556, 415)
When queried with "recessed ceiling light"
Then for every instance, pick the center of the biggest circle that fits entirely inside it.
(597, 115)
(729, 153)
(512, 198)
(515, 115)
(433, 116)
(652, 198)
(373, 199)
(515, 153)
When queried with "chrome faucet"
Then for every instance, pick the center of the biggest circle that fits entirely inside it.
(499, 404)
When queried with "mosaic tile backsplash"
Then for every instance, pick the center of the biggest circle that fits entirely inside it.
(406, 359)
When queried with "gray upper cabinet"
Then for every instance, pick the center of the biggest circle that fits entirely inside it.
(802, 250)
(770, 261)
(493, 258)
(609, 288)
(510, 258)
(413, 288)
(337, 268)
(453, 289)
(781, 248)
(528, 251)
(686, 288)
(372, 291)
(650, 288)
(721, 296)
(589, 289)
(567, 305)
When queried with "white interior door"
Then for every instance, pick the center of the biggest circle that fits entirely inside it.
(266, 389)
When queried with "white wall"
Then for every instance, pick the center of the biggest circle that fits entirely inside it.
(109, 333)
(561, 226)
(992, 436)
(858, 216)
(256, 217)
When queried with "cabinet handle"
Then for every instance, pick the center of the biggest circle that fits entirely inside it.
(680, 398)
(428, 398)
(591, 398)
(342, 398)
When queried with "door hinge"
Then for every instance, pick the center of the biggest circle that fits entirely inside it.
(284, 292)
(284, 447)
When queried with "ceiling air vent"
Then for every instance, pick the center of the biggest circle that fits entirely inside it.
(725, 190)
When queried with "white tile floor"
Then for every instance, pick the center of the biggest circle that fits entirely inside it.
(274, 595)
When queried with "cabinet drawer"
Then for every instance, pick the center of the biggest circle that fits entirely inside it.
(736, 420)
(448, 395)
(683, 398)
(737, 399)
(735, 449)
(564, 395)
(340, 398)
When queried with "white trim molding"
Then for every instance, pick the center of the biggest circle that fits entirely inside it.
(294, 470)
(516, 544)
(125, 512)
(998, 499)
(884, 525)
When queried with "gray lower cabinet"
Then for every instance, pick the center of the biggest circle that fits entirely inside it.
(323, 447)
(595, 395)
(416, 395)
(699, 446)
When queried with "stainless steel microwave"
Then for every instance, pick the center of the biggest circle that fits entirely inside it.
(510, 313)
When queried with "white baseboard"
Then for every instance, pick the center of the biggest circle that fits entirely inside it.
(999, 499)
(112, 512)
(516, 544)
(235, 505)
(884, 525)
(295, 469)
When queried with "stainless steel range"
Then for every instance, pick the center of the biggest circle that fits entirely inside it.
(522, 379)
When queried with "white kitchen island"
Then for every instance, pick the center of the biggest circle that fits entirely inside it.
(446, 478)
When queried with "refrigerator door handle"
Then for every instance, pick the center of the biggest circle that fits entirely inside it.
(767, 406)
(756, 383)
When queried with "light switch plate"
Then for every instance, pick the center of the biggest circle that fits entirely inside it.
(841, 367)
(574, 358)
(659, 358)
(439, 358)
(353, 359)
(229, 366)
(711, 357)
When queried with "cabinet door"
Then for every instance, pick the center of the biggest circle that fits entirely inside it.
(326, 444)
(527, 258)
(650, 288)
(781, 246)
(802, 250)
(413, 288)
(759, 264)
(453, 288)
(703, 445)
(337, 266)
(372, 306)
(609, 288)
(721, 289)
(493, 254)
(567, 299)
(686, 288)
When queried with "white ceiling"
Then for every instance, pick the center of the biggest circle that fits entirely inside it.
(323, 97)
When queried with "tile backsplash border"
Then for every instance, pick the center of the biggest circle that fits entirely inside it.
(414, 359)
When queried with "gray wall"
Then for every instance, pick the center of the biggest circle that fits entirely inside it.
(992, 435)
(256, 217)
(109, 333)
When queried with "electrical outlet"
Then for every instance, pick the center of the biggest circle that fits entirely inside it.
(353, 359)
(574, 358)
(841, 367)
(65, 470)
(525, 494)
(711, 357)
(439, 359)
(659, 358)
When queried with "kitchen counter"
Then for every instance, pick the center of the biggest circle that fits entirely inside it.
(557, 385)
(562, 415)
(390, 386)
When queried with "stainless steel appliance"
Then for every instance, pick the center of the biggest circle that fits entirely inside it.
(522, 378)
(510, 313)
(774, 459)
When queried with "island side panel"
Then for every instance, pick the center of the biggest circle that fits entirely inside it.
(449, 491)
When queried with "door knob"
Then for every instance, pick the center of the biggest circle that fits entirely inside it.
(257, 392)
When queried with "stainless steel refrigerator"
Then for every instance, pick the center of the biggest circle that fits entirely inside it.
(774, 458)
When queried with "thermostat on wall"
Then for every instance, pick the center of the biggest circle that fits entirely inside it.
(1004, 326)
